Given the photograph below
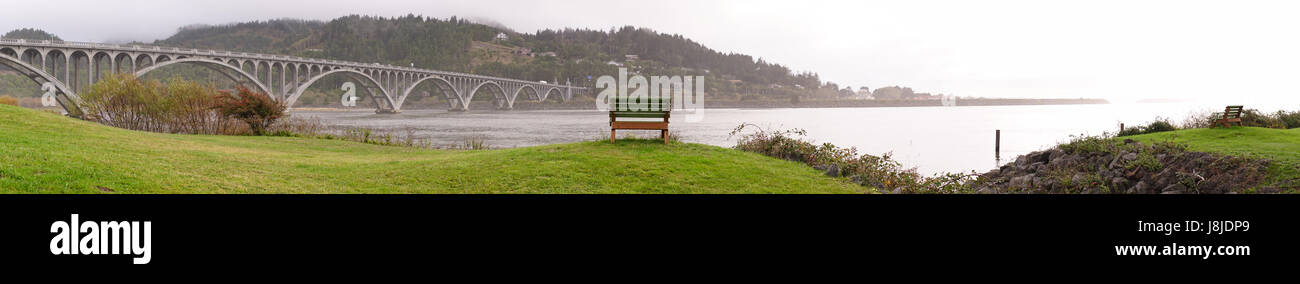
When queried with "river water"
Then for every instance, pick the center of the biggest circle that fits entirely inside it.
(931, 139)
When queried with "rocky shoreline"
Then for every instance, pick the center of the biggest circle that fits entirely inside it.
(1104, 166)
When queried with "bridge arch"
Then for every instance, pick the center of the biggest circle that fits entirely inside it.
(553, 91)
(529, 91)
(56, 64)
(502, 98)
(235, 74)
(64, 95)
(376, 89)
(121, 59)
(82, 69)
(33, 57)
(453, 95)
(9, 52)
(144, 60)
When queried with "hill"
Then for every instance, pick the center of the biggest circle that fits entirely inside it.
(48, 153)
(460, 45)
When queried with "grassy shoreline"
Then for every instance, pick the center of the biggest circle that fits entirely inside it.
(48, 153)
(1280, 147)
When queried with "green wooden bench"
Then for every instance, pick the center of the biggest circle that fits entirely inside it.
(1228, 116)
(644, 114)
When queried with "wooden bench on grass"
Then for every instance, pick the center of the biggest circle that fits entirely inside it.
(1230, 114)
(651, 114)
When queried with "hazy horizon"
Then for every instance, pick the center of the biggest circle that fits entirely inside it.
(1116, 50)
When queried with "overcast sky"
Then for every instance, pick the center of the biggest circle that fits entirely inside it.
(1119, 50)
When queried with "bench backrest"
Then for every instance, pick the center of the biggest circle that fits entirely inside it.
(1232, 112)
(644, 107)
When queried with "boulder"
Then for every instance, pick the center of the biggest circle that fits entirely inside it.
(1174, 189)
(1118, 182)
(1139, 188)
(1055, 154)
(1024, 181)
(1130, 156)
(1079, 179)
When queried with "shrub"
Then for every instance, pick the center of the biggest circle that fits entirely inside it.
(122, 100)
(257, 109)
(1160, 124)
(7, 100)
(1255, 118)
(1289, 119)
(881, 172)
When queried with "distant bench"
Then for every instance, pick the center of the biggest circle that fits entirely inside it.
(646, 108)
(1227, 117)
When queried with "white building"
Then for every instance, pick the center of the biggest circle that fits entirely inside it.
(502, 36)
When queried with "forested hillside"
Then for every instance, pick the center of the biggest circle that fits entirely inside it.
(456, 44)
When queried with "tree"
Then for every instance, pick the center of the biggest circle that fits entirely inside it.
(30, 34)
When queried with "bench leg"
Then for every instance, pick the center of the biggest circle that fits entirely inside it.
(611, 135)
(664, 134)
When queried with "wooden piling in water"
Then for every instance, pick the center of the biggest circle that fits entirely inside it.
(997, 143)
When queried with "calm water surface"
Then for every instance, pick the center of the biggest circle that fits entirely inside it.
(932, 139)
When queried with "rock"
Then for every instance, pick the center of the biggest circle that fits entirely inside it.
(1114, 163)
(833, 170)
(984, 190)
(1045, 183)
(1079, 179)
(1130, 156)
(1038, 157)
(1139, 188)
(1178, 188)
(1091, 191)
(1118, 182)
(1055, 154)
(1037, 167)
(897, 191)
(1024, 181)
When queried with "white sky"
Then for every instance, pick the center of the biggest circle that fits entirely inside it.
(1119, 50)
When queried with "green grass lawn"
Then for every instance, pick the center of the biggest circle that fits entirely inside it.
(1282, 147)
(42, 152)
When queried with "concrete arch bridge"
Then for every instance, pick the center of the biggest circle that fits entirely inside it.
(69, 66)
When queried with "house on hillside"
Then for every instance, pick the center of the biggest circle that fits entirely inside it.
(632, 57)
(502, 37)
(524, 51)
